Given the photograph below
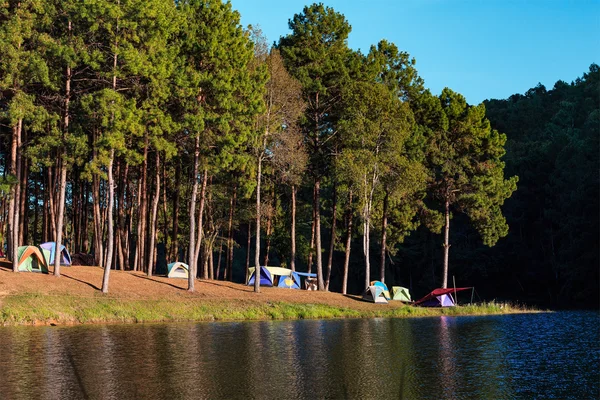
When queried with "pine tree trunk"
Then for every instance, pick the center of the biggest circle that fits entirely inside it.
(249, 243)
(143, 216)
(199, 225)
(383, 237)
(154, 216)
(332, 242)
(312, 234)
(59, 221)
(13, 214)
(348, 242)
(51, 193)
(192, 253)
(109, 218)
(23, 214)
(293, 230)
(366, 243)
(257, 239)
(446, 245)
(268, 241)
(218, 273)
(229, 264)
(136, 256)
(175, 233)
(320, 282)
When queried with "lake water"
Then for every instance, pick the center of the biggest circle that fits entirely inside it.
(543, 356)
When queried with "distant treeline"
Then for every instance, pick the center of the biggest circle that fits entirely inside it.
(152, 131)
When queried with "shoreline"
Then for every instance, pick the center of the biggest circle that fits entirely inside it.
(30, 299)
(68, 310)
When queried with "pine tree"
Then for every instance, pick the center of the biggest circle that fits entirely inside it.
(464, 158)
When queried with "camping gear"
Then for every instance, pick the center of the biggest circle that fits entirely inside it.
(291, 281)
(383, 287)
(32, 259)
(440, 298)
(374, 294)
(311, 284)
(65, 257)
(178, 270)
(265, 277)
(401, 294)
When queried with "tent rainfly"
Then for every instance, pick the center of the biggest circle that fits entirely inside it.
(383, 287)
(65, 257)
(32, 259)
(178, 270)
(291, 281)
(265, 277)
(401, 294)
(440, 298)
(374, 294)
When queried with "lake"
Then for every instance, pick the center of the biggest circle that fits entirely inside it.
(528, 356)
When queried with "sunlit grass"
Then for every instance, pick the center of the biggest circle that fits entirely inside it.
(29, 309)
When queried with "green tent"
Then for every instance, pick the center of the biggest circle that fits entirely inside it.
(32, 259)
(401, 294)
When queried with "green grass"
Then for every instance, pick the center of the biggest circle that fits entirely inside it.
(29, 309)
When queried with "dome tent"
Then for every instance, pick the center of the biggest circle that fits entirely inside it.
(32, 259)
(178, 270)
(65, 257)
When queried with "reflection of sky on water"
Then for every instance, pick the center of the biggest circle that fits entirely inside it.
(522, 356)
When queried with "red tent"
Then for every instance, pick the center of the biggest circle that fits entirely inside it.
(439, 298)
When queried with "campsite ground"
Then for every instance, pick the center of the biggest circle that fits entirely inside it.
(75, 298)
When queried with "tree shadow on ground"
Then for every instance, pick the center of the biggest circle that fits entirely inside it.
(79, 280)
(157, 281)
(216, 283)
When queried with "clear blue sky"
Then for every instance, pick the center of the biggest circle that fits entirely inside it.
(480, 48)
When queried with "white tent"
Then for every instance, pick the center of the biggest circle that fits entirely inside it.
(178, 270)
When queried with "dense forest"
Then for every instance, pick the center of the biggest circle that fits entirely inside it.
(146, 132)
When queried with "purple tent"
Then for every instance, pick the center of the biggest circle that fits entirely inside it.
(265, 278)
(65, 257)
(439, 298)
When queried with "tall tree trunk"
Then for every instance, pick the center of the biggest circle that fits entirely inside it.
(219, 263)
(366, 243)
(348, 242)
(320, 281)
(98, 225)
(446, 244)
(383, 237)
(229, 263)
(175, 233)
(136, 256)
(200, 227)
(154, 216)
(51, 193)
(332, 242)
(165, 211)
(192, 252)
(13, 214)
(23, 214)
(143, 250)
(293, 230)
(257, 239)
(312, 234)
(59, 220)
(36, 193)
(109, 217)
(268, 233)
(249, 243)
(62, 188)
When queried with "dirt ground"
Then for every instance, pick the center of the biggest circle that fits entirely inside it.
(87, 281)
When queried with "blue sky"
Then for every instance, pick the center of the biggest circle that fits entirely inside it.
(480, 48)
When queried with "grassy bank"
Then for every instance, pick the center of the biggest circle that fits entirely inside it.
(47, 309)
